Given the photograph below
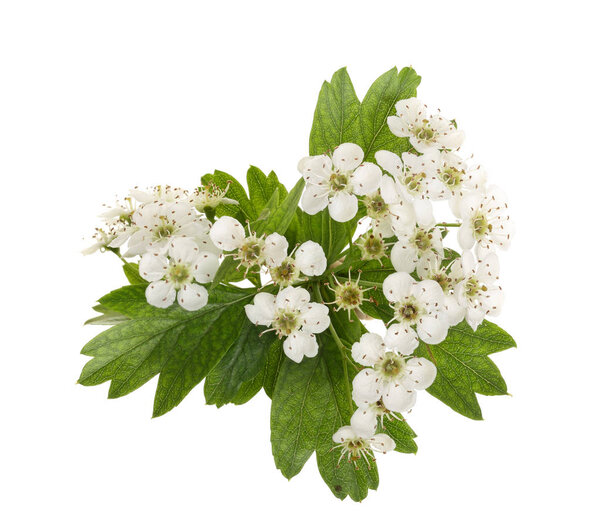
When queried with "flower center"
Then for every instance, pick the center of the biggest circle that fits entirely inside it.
(413, 181)
(372, 247)
(348, 295)
(452, 177)
(424, 132)
(249, 253)
(286, 273)
(179, 274)
(286, 321)
(422, 240)
(443, 280)
(391, 367)
(164, 231)
(407, 311)
(473, 288)
(339, 182)
(480, 225)
(376, 207)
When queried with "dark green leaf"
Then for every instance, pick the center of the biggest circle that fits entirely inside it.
(464, 367)
(260, 187)
(132, 272)
(336, 115)
(281, 217)
(244, 210)
(182, 346)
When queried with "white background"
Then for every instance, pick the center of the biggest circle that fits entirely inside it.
(96, 97)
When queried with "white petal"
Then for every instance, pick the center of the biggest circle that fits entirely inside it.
(345, 433)
(366, 179)
(262, 309)
(183, 250)
(465, 236)
(455, 313)
(364, 422)
(397, 286)
(368, 350)
(292, 298)
(381, 442)
(474, 317)
(366, 387)
(153, 266)
(275, 251)
(424, 213)
(205, 267)
(404, 258)
(420, 374)
(192, 297)
(430, 293)
(315, 318)
(390, 162)
(398, 398)
(314, 199)
(311, 259)
(343, 207)
(300, 344)
(227, 233)
(160, 294)
(346, 157)
(315, 169)
(401, 338)
(432, 330)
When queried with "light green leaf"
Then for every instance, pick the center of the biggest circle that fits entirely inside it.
(132, 272)
(464, 367)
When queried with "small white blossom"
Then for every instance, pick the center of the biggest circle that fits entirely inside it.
(210, 196)
(357, 447)
(228, 234)
(160, 194)
(390, 376)
(425, 131)
(310, 259)
(415, 244)
(335, 181)
(478, 293)
(485, 222)
(415, 304)
(174, 273)
(291, 314)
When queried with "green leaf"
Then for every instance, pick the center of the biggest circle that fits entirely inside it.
(107, 317)
(179, 345)
(244, 210)
(244, 359)
(281, 217)
(132, 272)
(378, 104)
(402, 434)
(463, 366)
(310, 404)
(336, 115)
(330, 234)
(260, 187)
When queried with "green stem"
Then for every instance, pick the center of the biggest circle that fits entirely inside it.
(116, 252)
(448, 225)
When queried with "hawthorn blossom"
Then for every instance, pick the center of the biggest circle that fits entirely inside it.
(210, 196)
(291, 315)
(228, 234)
(478, 293)
(335, 181)
(415, 304)
(178, 272)
(448, 277)
(416, 244)
(311, 259)
(156, 224)
(425, 131)
(486, 223)
(160, 194)
(391, 376)
(358, 447)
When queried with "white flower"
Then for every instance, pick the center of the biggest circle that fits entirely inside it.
(229, 235)
(415, 244)
(358, 447)
(391, 376)
(453, 178)
(117, 227)
(478, 293)
(157, 224)
(291, 314)
(336, 181)
(160, 194)
(368, 416)
(448, 277)
(311, 259)
(415, 304)
(210, 196)
(424, 131)
(172, 273)
(485, 222)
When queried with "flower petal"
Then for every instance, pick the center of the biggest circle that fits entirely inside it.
(160, 294)
(300, 344)
(397, 286)
(192, 297)
(420, 373)
(402, 339)
(347, 157)
(262, 310)
(366, 179)
(368, 350)
(343, 206)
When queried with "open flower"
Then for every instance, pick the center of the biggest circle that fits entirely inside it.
(291, 315)
(335, 181)
(478, 293)
(417, 305)
(174, 273)
(357, 447)
(424, 131)
(485, 222)
(391, 376)
(228, 234)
